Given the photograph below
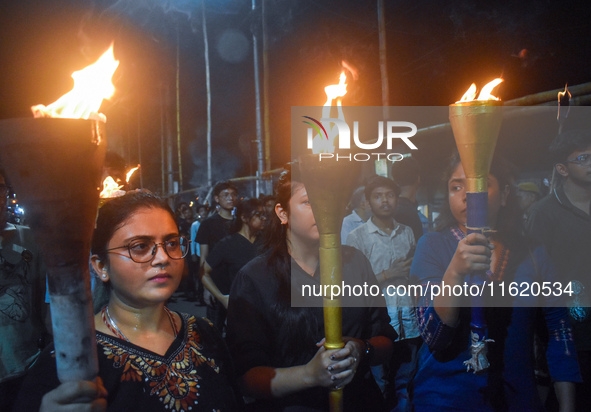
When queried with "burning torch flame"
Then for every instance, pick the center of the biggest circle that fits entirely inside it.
(130, 173)
(111, 188)
(485, 93)
(334, 91)
(91, 85)
(563, 100)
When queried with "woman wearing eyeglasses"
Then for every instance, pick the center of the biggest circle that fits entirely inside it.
(150, 358)
(232, 252)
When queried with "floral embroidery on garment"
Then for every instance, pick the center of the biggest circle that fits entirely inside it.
(173, 380)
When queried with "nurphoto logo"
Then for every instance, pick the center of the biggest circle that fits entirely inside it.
(322, 134)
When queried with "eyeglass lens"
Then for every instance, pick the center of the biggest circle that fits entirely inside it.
(142, 251)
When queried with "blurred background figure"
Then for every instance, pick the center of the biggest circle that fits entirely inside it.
(201, 215)
(184, 219)
(407, 175)
(268, 202)
(359, 213)
(231, 253)
(22, 307)
(215, 228)
(202, 212)
(115, 166)
(389, 246)
(561, 222)
(528, 193)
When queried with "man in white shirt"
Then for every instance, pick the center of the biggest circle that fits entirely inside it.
(360, 212)
(390, 246)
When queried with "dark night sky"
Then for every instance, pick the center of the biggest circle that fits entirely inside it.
(435, 50)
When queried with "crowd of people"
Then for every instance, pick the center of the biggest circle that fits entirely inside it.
(258, 351)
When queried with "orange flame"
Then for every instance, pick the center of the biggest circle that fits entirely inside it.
(111, 188)
(91, 85)
(485, 93)
(130, 173)
(566, 92)
(336, 90)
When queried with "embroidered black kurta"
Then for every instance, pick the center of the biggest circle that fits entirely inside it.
(195, 374)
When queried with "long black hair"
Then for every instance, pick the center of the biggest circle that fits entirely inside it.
(296, 327)
(275, 241)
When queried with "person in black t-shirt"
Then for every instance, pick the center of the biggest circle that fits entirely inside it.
(216, 227)
(277, 346)
(231, 253)
(213, 229)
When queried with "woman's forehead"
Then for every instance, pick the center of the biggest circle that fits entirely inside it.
(149, 216)
(298, 190)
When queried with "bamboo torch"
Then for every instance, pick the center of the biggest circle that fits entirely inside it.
(329, 184)
(55, 165)
(476, 125)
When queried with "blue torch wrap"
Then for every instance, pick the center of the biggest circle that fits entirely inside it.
(476, 126)
(477, 211)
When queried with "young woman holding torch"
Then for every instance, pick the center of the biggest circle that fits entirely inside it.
(277, 344)
(449, 255)
(150, 358)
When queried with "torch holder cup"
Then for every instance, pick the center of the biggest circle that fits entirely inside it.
(476, 126)
(55, 166)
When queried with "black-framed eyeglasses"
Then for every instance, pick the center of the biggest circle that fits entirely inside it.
(144, 250)
(582, 160)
